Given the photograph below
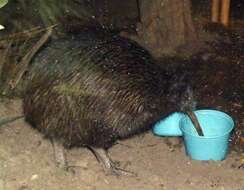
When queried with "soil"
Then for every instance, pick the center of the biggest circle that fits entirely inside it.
(27, 163)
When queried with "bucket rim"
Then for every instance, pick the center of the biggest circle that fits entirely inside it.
(223, 114)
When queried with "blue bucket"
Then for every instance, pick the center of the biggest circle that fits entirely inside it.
(169, 126)
(216, 128)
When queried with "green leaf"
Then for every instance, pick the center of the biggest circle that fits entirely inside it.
(1, 27)
(3, 3)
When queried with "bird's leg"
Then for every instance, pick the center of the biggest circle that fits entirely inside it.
(108, 165)
(59, 154)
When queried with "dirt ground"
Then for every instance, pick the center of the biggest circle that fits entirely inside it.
(27, 163)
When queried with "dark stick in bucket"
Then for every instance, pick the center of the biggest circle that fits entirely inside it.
(195, 122)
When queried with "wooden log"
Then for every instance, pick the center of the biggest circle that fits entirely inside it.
(225, 12)
(215, 10)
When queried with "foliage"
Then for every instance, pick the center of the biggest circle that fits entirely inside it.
(2, 4)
